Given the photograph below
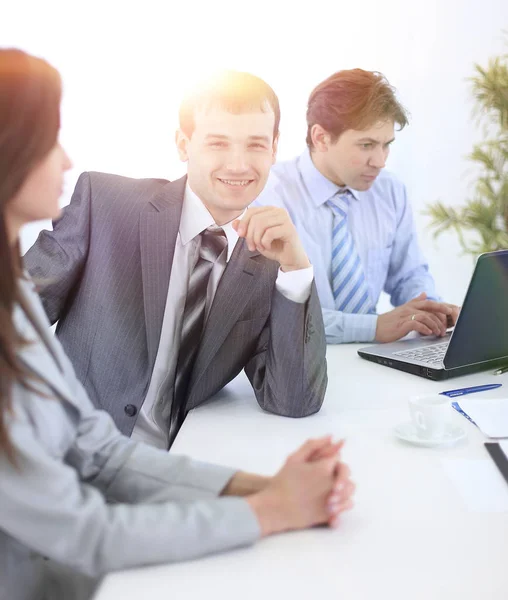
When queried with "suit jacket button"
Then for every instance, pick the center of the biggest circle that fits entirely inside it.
(130, 410)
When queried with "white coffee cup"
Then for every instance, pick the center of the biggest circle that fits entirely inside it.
(430, 414)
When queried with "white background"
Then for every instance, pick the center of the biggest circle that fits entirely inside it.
(125, 66)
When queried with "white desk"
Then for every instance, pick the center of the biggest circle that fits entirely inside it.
(410, 536)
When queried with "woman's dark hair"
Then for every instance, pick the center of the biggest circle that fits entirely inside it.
(30, 92)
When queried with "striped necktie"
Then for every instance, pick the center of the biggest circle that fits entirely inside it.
(213, 243)
(350, 289)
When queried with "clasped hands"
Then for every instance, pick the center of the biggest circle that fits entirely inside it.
(312, 488)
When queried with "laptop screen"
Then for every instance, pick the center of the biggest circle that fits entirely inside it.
(481, 332)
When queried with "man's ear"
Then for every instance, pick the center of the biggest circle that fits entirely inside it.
(321, 139)
(275, 147)
(182, 145)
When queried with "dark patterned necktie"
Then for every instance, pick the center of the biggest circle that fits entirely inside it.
(213, 243)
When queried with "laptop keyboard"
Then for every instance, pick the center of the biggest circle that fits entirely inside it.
(431, 355)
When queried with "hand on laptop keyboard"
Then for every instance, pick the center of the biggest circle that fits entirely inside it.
(427, 317)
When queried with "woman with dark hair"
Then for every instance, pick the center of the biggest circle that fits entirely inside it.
(77, 498)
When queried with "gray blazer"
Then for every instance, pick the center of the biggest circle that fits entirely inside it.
(107, 265)
(84, 499)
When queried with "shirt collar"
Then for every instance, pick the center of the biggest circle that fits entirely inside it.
(196, 218)
(320, 188)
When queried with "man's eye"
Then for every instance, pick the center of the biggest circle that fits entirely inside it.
(218, 144)
(258, 146)
(367, 145)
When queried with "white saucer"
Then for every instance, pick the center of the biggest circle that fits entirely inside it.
(407, 432)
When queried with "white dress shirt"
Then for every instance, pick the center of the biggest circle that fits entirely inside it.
(294, 285)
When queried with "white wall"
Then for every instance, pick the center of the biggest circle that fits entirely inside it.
(125, 66)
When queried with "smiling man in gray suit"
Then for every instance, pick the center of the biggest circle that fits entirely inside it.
(164, 291)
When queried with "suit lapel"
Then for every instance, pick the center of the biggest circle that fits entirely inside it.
(236, 287)
(158, 229)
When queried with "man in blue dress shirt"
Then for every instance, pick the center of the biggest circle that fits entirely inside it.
(354, 217)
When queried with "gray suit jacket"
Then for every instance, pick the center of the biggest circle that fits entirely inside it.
(89, 499)
(106, 267)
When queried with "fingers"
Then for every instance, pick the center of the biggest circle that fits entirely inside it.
(433, 322)
(269, 228)
(343, 487)
(278, 232)
(346, 499)
(327, 451)
(342, 473)
(452, 319)
(433, 306)
(305, 452)
(340, 498)
(443, 321)
(331, 478)
(258, 221)
(441, 312)
(413, 325)
(334, 520)
(241, 225)
(336, 508)
(423, 323)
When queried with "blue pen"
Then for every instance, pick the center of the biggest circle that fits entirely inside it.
(470, 390)
(456, 406)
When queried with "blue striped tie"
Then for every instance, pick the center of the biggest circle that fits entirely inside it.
(350, 289)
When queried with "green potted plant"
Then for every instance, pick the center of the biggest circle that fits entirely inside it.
(486, 213)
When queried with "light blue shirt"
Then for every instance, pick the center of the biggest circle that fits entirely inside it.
(381, 223)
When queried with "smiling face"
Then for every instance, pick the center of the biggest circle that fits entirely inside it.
(356, 158)
(229, 156)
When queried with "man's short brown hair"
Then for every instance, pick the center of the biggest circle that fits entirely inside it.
(353, 99)
(234, 91)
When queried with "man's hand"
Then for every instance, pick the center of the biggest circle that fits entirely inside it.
(424, 316)
(270, 231)
(299, 496)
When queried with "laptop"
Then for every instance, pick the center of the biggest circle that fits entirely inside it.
(478, 341)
